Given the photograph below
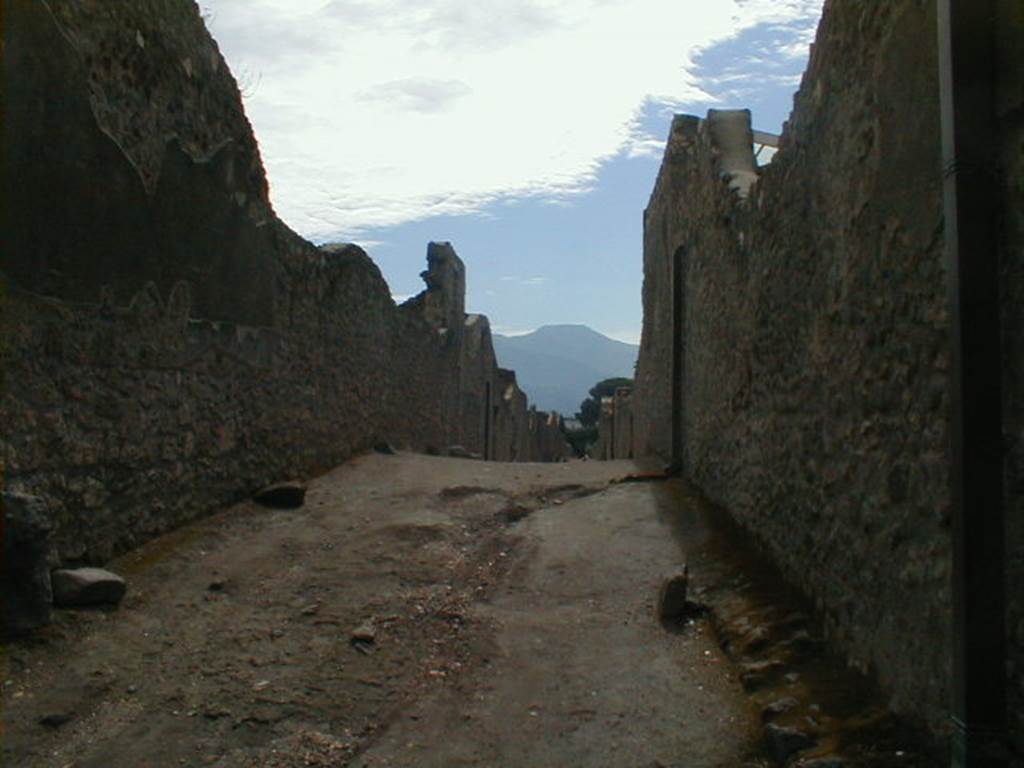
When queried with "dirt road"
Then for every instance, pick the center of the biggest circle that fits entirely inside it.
(511, 613)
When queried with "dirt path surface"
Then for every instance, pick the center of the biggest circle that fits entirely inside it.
(417, 611)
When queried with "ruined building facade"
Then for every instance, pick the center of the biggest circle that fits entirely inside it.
(169, 344)
(795, 352)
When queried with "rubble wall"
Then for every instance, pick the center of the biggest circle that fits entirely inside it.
(169, 345)
(813, 335)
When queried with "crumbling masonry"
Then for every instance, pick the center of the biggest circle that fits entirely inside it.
(169, 344)
(795, 349)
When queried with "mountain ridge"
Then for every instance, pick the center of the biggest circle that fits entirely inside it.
(557, 364)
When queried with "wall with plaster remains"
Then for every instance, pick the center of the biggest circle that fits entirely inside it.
(169, 345)
(802, 310)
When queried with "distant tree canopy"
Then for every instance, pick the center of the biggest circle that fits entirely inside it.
(590, 409)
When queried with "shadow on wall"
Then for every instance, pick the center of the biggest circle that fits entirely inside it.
(797, 360)
(171, 346)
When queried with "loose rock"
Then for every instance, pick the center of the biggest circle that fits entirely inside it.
(783, 742)
(86, 586)
(459, 452)
(365, 633)
(55, 720)
(778, 707)
(672, 604)
(287, 495)
(756, 674)
(26, 572)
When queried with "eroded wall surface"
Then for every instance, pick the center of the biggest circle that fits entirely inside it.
(813, 338)
(169, 344)
(811, 326)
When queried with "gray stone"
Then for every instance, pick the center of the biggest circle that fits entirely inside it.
(778, 707)
(784, 742)
(757, 674)
(287, 495)
(86, 586)
(56, 720)
(26, 572)
(672, 604)
(459, 452)
(364, 633)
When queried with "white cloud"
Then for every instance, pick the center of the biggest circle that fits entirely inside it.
(373, 113)
(416, 94)
(536, 280)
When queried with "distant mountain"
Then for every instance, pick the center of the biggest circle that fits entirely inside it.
(557, 364)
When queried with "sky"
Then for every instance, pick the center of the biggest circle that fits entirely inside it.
(528, 133)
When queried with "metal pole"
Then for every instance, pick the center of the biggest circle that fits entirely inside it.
(972, 219)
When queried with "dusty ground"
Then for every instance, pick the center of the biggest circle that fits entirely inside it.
(512, 607)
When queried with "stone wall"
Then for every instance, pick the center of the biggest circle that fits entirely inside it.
(615, 438)
(812, 331)
(604, 447)
(511, 422)
(546, 439)
(805, 304)
(169, 345)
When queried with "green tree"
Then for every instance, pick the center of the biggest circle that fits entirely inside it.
(590, 409)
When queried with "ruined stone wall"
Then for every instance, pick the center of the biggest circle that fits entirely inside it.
(479, 388)
(1010, 110)
(127, 159)
(622, 414)
(814, 344)
(512, 424)
(615, 433)
(604, 447)
(547, 442)
(169, 344)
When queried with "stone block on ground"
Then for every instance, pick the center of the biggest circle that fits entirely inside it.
(287, 495)
(673, 607)
(26, 572)
(778, 707)
(86, 586)
(459, 452)
(784, 742)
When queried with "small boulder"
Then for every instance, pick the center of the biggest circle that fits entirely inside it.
(287, 495)
(459, 452)
(56, 720)
(365, 633)
(784, 742)
(86, 586)
(673, 607)
(364, 637)
(27, 591)
(778, 707)
(757, 674)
